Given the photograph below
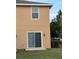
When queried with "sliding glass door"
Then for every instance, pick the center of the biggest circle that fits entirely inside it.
(34, 39)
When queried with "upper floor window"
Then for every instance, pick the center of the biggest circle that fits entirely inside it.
(35, 12)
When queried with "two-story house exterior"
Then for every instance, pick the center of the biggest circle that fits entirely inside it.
(32, 25)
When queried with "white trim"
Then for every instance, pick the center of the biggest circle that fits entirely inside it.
(38, 48)
(27, 39)
(38, 14)
(34, 4)
(29, 49)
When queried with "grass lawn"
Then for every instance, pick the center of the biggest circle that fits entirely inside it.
(54, 53)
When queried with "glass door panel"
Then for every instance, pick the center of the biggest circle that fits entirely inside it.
(31, 40)
(37, 39)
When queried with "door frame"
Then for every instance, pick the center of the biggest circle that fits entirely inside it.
(35, 48)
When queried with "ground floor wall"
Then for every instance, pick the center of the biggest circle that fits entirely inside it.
(21, 39)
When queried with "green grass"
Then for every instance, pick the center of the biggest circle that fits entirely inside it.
(54, 53)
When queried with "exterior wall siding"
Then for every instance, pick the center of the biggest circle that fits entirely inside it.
(24, 23)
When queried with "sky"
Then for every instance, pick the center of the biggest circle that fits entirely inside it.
(57, 5)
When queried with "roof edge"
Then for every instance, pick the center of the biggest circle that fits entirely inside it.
(21, 4)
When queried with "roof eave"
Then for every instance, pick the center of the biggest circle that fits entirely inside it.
(20, 4)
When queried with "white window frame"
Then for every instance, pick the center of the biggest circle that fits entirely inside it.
(35, 48)
(38, 14)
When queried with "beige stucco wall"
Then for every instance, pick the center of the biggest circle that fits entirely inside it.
(24, 23)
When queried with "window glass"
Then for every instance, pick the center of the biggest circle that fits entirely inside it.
(34, 12)
(35, 9)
